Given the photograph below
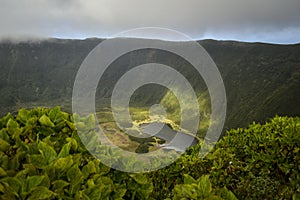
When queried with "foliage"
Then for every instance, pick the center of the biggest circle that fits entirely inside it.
(258, 162)
(42, 157)
(262, 161)
(200, 189)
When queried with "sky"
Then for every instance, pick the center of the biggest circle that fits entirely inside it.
(271, 21)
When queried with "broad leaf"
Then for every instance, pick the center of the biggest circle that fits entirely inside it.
(4, 146)
(59, 184)
(13, 183)
(45, 121)
(64, 151)
(23, 115)
(47, 151)
(38, 161)
(2, 172)
(33, 181)
(74, 174)
(188, 179)
(204, 187)
(12, 126)
(55, 115)
(4, 135)
(88, 169)
(40, 193)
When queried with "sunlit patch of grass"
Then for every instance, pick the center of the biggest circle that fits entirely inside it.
(105, 116)
(172, 106)
(139, 113)
(118, 137)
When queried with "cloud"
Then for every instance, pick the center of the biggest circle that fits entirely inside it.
(265, 20)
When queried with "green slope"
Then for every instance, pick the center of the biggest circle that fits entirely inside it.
(261, 80)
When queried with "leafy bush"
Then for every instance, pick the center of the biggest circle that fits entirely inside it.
(200, 189)
(42, 157)
(262, 161)
(258, 162)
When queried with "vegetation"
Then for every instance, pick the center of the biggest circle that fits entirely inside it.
(258, 162)
(261, 80)
(42, 157)
(200, 189)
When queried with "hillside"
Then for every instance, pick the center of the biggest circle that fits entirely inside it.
(261, 80)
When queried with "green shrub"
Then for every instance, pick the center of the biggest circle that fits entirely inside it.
(200, 189)
(261, 161)
(41, 157)
(258, 162)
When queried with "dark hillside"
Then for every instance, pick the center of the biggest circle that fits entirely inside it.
(261, 80)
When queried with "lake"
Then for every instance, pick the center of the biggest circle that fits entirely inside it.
(178, 141)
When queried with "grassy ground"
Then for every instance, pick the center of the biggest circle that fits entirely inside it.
(119, 138)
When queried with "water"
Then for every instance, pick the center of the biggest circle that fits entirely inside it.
(174, 140)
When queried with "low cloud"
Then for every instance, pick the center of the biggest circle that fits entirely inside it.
(275, 21)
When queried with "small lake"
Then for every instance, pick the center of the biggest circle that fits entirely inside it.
(174, 140)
